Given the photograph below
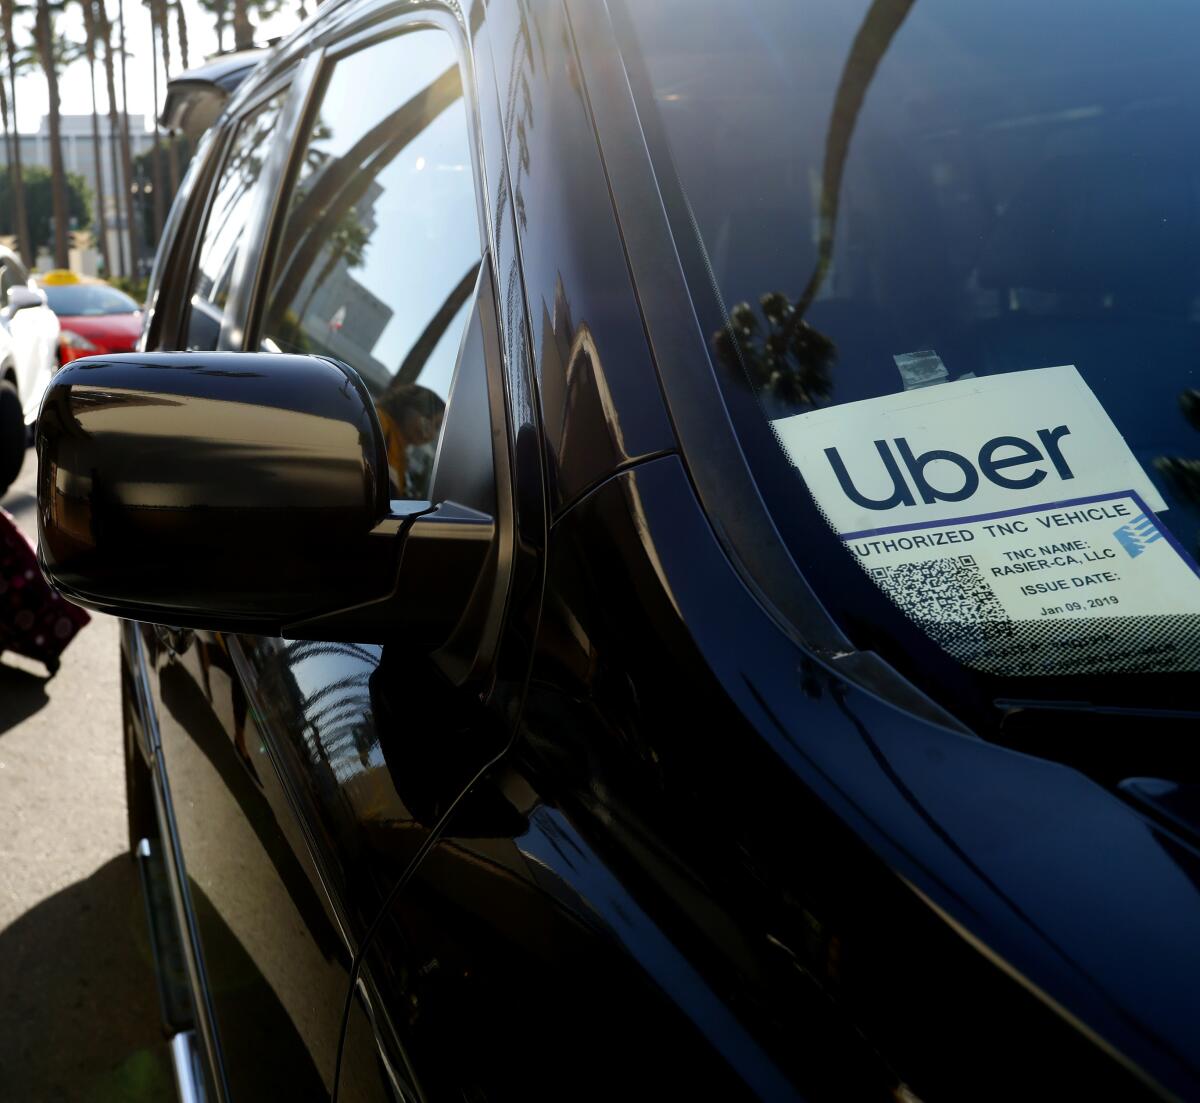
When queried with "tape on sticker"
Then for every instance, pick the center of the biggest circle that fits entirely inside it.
(920, 369)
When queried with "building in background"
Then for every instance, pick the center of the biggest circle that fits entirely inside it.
(78, 156)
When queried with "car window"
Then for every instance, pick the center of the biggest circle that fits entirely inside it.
(8, 277)
(88, 300)
(380, 246)
(226, 227)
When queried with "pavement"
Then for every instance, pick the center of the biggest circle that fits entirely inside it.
(79, 1016)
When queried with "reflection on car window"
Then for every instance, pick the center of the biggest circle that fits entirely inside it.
(380, 249)
(85, 299)
(227, 223)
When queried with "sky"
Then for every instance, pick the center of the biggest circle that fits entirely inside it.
(74, 93)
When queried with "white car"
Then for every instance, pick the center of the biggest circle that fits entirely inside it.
(34, 329)
(28, 359)
(12, 418)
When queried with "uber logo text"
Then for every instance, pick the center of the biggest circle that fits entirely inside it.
(988, 462)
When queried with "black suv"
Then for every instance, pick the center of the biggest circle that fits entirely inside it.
(656, 541)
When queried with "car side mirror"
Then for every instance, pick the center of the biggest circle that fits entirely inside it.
(21, 298)
(242, 492)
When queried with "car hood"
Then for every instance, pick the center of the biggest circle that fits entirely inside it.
(1089, 892)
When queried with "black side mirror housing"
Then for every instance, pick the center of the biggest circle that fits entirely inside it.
(241, 492)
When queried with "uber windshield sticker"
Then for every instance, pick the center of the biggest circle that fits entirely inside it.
(1009, 519)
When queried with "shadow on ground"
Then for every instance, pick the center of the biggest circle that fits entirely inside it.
(21, 504)
(21, 695)
(65, 1033)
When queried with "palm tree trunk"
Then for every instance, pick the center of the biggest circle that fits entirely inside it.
(157, 172)
(184, 63)
(8, 159)
(101, 196)
(24, 245)
(161, 15)
(221, 21)
(104, 32)
(243, 31)
(158, 9)
(181, 28)
(89, 29)
(126, 156)
(44, 32)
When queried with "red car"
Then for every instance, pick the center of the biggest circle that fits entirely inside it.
(94, 318)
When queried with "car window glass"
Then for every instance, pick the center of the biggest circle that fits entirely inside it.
(380, 247)
(88, 300)
(8, 278)
(227, 225)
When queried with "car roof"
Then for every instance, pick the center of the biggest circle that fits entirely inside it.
(196, 98)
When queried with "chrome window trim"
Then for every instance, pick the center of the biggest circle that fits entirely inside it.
(173, 859)
(184, 1059)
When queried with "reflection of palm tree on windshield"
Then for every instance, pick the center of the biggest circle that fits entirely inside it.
(790, 361)
(882, 21)
(227, 221)
(416, 357)
(348, 243)
(339, 184)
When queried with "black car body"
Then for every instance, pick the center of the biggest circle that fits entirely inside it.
(695, 810)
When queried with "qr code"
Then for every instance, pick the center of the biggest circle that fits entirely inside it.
(949, 590)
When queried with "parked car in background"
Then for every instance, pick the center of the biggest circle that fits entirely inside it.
(656, 541)
(93, 316)
(33, 328)
(13, 434)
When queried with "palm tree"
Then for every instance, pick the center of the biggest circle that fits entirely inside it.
(89, 29)
(45, 43)
(219, 10)
(8, 157)
(7, 11)
(125, 154)
(122, 176)
(182, 31)
(162, 9)
(243, 30)
(155, 7)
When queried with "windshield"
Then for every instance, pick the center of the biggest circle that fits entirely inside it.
(88, 300)
(954, 251)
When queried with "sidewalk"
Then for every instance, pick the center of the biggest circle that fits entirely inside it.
(78, 1006)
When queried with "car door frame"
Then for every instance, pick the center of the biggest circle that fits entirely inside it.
(300, 65)
(520, 480)
(168, 307)
(491, 125)
(168, 304)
